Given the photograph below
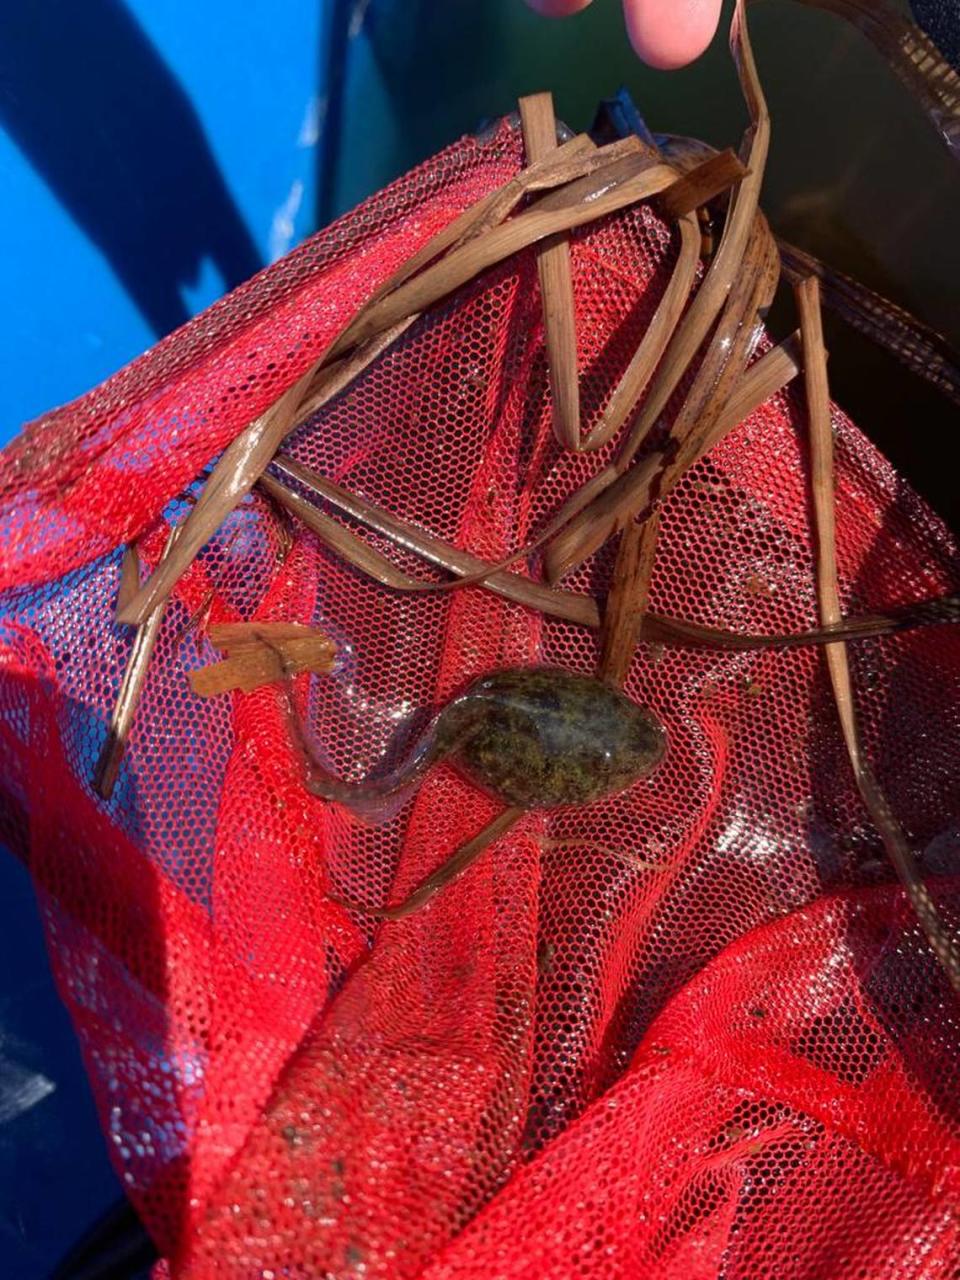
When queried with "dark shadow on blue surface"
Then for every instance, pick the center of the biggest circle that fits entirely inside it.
(54, 1172)
(117, 1247)
(102, 119)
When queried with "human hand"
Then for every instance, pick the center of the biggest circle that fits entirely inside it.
(665, 33)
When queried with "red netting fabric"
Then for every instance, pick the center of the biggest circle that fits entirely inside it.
(690, 1032)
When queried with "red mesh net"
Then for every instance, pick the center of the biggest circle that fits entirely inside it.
(692, 1031)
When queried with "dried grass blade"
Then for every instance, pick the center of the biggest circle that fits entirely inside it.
(684, 153)
(573, 504)
(650, 351)
(693, 431)
(572, 160)
(626, 496)
(241, 464)
(912, 56)
(575, 160)
(607, 191)
(591, 530)
(764, 379)
(821, 450)
(107, 768)
(627, 600)
(129, 577)
(245, 459)
(719, 279)
(556, 285)
(555, 602)
(434, 550)
(703, 183)
(770, 374)
(919, 348)
(925, 613)
(343, 542)
(603, 179)
(556, 170)
(451, 870)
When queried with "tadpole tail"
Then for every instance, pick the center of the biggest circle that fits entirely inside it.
(370, 799)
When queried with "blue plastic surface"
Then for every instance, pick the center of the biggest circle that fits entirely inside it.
(54, 1173)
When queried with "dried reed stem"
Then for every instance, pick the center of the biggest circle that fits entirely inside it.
(627, 600)
(582, 609)
(645, 359)
(596, 524)
(769, 375)
(924, 351)
(556, 285)
(703, 183)
(574, 159)
(566, 605)
(243, 461)
(107, 768)
(807, 295)
(618, 182)
(725, 267)
(695, 427)
(451, 870)
(343, 542)
(129, 578)
(765, 378)
(609, 190)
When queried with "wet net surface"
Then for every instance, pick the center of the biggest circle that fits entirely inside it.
(693, 1031)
